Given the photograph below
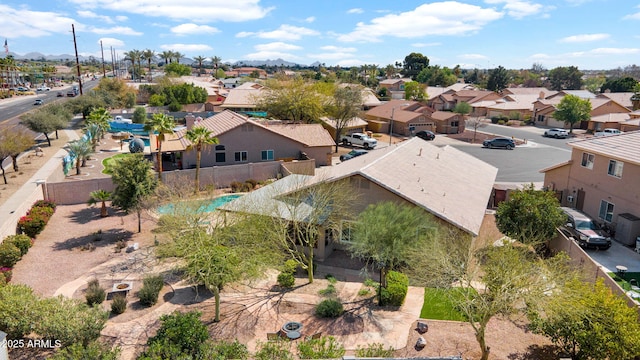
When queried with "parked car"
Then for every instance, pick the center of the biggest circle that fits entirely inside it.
(60, 94)
(426, 135)
(359, 139)
(351, 154)
(71, 93)
(43, 88)
(586, 232)
(557, 133)
(608, 132)
(38, 102)
(499, 143)
(22, 89)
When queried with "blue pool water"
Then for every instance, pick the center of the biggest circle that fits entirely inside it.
(210, 207)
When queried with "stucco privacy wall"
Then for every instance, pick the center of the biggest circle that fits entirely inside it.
(9, 225)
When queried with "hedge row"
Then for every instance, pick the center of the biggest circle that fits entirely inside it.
(37, 218)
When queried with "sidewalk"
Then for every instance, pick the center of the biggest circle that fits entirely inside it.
(19, 203)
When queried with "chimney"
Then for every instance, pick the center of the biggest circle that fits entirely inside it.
(541, 95)
(190, 119)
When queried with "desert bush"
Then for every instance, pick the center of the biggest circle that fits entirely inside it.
(253, 183)
(286, 279)
(45, 203)
(118, 304)
(273, 350)
(92, 351)
(375, 350)
(31, 225)
(21, 241)
(501, 122)
(181, 336)
(43, 211)
(151, 286)
(228, 350)
(18, 310)
(325, 347)
(9, 255)
(396, 290)
(95, 294)
(329, 308)
(290, 266)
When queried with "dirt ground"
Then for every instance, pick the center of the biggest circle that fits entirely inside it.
(78, 245)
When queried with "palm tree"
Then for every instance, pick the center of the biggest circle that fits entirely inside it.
(133, 56)
(160, 124)
(80, 150)
(94, 131)
(100, 117)
(199, 59)
(177, 55)
(215, 61)
(199, 136)
(102, 196)
(148, 55)
(166, 56)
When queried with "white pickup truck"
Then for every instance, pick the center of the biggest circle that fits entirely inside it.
(607, 132)
(359, 139)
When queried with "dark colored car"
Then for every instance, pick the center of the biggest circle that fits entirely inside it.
(351, 154)
(38, 102)
(426, 135)
(586, 232)
(60, 94)
(499, 143)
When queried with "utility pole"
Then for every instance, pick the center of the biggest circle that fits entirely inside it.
(113, 62)
(104, 72)
(75, 46)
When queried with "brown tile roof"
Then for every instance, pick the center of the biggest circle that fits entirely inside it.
(443, 115)
(622, 98)
(625, 146)
(403, 110)
(311, 135)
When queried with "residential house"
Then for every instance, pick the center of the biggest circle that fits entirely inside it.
(622, 98)
(243, 98)
(400, 117)
(395, 87)
(246, 71)
(354, 125)
(449, 99)
(601, 178)
(608, 121)
(243, 140)
(543, 109)
(453, 186)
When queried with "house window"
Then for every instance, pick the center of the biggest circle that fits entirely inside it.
(220, 154)
(454, 123)
(587, 160)
(615, 168)
(240, 156)
(346, 231)
(267, 155)
(606, 211)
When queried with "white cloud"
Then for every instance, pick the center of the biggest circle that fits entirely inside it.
(26, 23)
(189, 29)
(284, 32)
(187, 48)
(192, 10)
(350, 62)
(584, 38)
(355, 11)
(473, 57)
(121, 18)
(310, 19)
(120, 30)
(518, 8)
(107, 42)
(92, 15)
(635, 16)
(276, 46)
(425, 20)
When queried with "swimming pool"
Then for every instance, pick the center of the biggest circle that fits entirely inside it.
(200, 206)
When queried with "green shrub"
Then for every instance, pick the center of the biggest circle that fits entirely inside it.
(139, 115)
(330, 290)
(286, 279)
(181, 336)
(396, 290)
(290, 266)
(151, 286)
(93, 351)
(95, 293)
(45, 203)
(118, 304)
(6, 273)
(329, 308)
(325, 347)
(375, 350)
(236, 186)
(9, 255)
(501, 122)
(252, 183)
(19, 310)
(31, 225)
(229, 350)
(42, 211)
(273, 350)
(3, 279)
(21, 241)
(175, 106)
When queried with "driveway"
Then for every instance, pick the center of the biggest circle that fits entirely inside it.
(617, 254)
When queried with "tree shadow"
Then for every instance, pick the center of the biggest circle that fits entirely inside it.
(86, 215)
(94, 240)
(535, 351)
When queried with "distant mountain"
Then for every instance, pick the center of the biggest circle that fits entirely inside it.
(38, 56)
(277, 62)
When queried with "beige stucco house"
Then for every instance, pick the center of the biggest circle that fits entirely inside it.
(449, 184)
(401, 116)
(242, 140)
(601, 179)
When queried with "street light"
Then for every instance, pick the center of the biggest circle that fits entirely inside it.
(391, 123)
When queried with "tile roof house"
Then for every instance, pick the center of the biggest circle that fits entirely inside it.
(244, 97)
(354, 125)
(453, 186)
(543, 109)
(401, 116)
(622, 98)
(243, 140)
(601, 178)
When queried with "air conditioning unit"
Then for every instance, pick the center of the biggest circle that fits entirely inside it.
(570, 198)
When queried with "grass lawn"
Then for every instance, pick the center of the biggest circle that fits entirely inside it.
(108, 162)
(624, 283)
(438, 306)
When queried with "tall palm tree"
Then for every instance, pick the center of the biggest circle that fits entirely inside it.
(166, 56)
(160, 124)
(100, 117)
(94, 131)
(102, 196)
(199, 59)
(148, 55)
(79, 150)
(177, 55)
(133, 56)
(216, 62)
(199, 136)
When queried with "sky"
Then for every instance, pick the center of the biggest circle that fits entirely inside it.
(515, 34)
